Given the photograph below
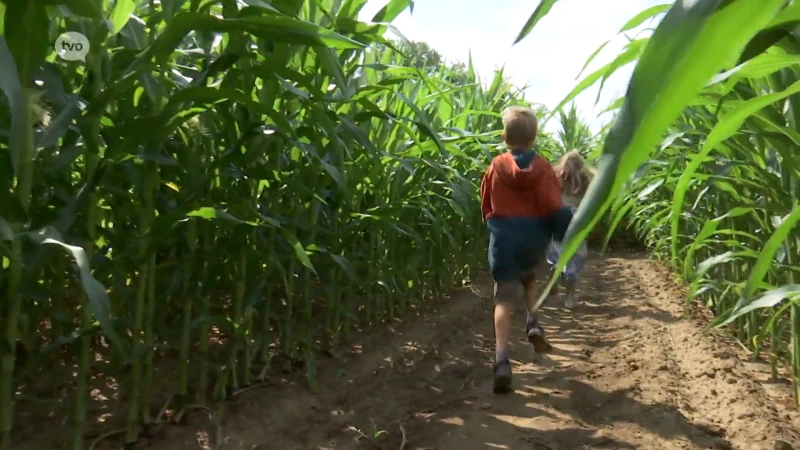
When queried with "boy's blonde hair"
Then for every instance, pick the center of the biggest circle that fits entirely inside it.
(520, 126)
(573, 173)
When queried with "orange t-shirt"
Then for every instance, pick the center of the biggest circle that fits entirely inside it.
(510, 191)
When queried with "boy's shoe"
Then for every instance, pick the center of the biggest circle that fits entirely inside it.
(536, 336)
(570, 302)
(502, 377)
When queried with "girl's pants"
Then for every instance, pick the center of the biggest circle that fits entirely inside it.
(575, 264)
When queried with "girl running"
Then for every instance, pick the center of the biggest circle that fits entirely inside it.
(574, 176)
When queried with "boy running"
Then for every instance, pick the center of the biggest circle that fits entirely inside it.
(522, 207)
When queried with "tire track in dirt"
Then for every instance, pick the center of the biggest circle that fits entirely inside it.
(628, 372)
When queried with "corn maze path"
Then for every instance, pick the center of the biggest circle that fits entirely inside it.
(629, 371)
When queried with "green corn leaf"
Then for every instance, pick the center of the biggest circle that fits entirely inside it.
(769, 299)
(392, 9)
(644, 15)
(99, 302)
(121, 14)
(542, 10)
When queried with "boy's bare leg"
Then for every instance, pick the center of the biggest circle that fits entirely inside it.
(502, 330)
(505, 293)
(533, 329)
(530, 291)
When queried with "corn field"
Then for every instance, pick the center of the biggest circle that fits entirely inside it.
(227, 188)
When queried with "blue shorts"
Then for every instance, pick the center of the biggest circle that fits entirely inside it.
(516, 246)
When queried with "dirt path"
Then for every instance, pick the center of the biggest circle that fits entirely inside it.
(627, 373)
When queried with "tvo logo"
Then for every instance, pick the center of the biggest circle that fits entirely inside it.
(72, 46)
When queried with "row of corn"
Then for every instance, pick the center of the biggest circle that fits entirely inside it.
(222, 188)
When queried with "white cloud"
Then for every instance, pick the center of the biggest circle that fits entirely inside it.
(547, 60)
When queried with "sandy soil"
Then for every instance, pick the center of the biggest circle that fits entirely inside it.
(629, 371)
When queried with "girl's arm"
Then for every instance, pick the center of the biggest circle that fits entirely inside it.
(486, 193)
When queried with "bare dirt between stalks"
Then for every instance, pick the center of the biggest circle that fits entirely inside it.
(629, 371)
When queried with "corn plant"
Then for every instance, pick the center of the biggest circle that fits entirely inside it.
(574, 133)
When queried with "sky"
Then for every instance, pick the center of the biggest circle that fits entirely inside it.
(548, 60)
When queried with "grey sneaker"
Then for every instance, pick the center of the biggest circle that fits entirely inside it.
(536, 336)
(570, 302)
(502, 377)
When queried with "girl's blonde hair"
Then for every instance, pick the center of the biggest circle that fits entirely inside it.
(573, 174)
